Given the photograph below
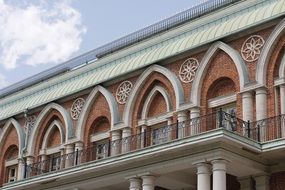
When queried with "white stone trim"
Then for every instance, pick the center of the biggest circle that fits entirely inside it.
(222, 100)
(266, 53)
(53, 150)
(188, 69)
(113, 106)
(251, 48)
(206, 61)
(279, 81)
(282, 68)
(155, 120)
(67, 122)
(76, 108)
(54, 124)
(177, 87)
(20, 132)
(99, 136)
(150, 97)
(11, 162)
(123, 91)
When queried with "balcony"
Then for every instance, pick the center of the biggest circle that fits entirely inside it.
(259, 131)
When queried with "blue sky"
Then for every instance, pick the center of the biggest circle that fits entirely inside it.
(38, 34)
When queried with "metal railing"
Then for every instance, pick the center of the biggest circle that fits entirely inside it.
(163, 25)
(261, 131)
(150, 137)
(267, 129)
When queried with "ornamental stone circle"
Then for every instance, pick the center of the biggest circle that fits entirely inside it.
(188, 70)
(76, 108)
(251, 48)
(123, 92)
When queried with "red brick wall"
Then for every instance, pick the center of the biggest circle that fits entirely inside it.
(50, 117)
(54, 138)
(157, 106)
(10, 142)
(99, 110)
(277, 181)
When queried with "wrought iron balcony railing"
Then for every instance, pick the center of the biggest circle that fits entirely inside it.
(264, 130)
(150, 137)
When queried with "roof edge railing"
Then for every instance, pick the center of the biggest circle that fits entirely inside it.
(120, 43)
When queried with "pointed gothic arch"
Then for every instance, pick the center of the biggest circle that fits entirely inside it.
(202, 70)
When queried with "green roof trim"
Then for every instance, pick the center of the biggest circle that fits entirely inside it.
(142, 55)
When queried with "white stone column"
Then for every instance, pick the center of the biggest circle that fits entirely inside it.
(126, 143)
(68, 150)
(262, 182)
(219, 174)
(115, 143)
(247, 106)
(170, 128)
(148, 182)
(21, 169)
(245, 183)
(203, 176)
(143, 136)
(195, 123)
(29, 162)
(44, 163)
(261, 103)
(135, 183)
(282, 106)
(78, 148)
(261, 110)
(181, 117)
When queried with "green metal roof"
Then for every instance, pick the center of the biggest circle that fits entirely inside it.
(142, 55)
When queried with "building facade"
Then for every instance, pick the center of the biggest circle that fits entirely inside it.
(194, 102)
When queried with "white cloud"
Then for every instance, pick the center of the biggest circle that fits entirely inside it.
(33, 34)
(3, 82)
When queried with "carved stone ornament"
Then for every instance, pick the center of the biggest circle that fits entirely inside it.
(188, 70)
(30, 123)
(251, 48)
(123, 92)
(76, 108)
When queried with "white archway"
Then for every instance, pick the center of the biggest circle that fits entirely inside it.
(178, 89)
(202, 70)
(282, 68)
(54, 124)
(20, 132)
(266, 53)
(150, 97)
(115, 117)
(67, 122)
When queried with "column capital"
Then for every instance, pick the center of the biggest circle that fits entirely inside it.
(261, 90)
(247, 94)
(203, 168)
(219, 165)
(182, 113)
